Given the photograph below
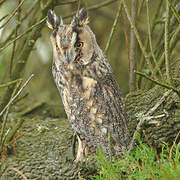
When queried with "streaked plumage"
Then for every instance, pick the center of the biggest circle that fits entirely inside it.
(90, 94)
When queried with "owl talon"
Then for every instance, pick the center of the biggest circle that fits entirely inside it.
(80, 152)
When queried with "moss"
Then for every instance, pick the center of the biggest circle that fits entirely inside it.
(43, 150)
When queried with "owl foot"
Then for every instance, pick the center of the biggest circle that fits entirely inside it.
(81, 151)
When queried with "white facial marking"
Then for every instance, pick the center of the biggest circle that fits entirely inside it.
(58, 40)
(73, 38)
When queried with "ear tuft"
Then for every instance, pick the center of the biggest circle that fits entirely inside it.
(80, 19)
(52, 20)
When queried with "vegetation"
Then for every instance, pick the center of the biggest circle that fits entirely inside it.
(141, 40)
(142, 163)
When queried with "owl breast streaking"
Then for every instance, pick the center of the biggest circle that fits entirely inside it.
(89, 92)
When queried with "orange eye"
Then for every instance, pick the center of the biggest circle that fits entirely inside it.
(79, 44)
(57, 48)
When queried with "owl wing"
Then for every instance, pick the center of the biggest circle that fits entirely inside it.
(113, 107)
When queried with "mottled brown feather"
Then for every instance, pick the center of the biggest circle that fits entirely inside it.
(89, 91)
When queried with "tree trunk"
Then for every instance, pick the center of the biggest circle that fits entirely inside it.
(44, 150)
(158, 130)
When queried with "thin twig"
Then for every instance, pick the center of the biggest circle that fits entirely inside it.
(9, 83)
(163, 98)
(29, 12)
(2, 137)
(159, 83)
(79, 4)
(155, 154)
(166, 44)
(146, 118)
(25, 32)
(30, 109)
(126, 36)
(132, 63)
(174, 40)
(174, 11)
(140, 64)
(149, 143)
(174, 142)
(14, 44)
(156, 15)
(14, 130)
(12, 14)
(17, 94)
(113, 27)
(12, 55)
(150, 39)
(140, 6)
(137, 36)
(20, 98)
(19, 172)
(3, 17)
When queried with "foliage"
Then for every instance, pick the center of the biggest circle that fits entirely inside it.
(141, 164)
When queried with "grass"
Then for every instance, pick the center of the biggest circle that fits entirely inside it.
(141, 164)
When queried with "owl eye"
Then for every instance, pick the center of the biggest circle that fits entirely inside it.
(57, 48)
(79, 44)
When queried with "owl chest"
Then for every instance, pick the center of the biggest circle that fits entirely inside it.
(77, 95)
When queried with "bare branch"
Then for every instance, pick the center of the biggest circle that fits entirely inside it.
(9, 83)
(174, 142)
(174, 11)
(4, 136)
(146, 118)
(154, 23)
(14, 44)
(12, 14)
(159, 83)
(143, 49)
(166, 44)
(132, 63)
(150, 39)
(29, 11)
(17, 94)
(25, 32)
(79, 4)
(3, 17)
(113, 27)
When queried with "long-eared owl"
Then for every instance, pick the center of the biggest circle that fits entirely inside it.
(89, 92)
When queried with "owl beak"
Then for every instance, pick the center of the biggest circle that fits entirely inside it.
(67, 56)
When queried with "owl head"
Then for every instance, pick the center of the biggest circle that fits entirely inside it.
(72, 42)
